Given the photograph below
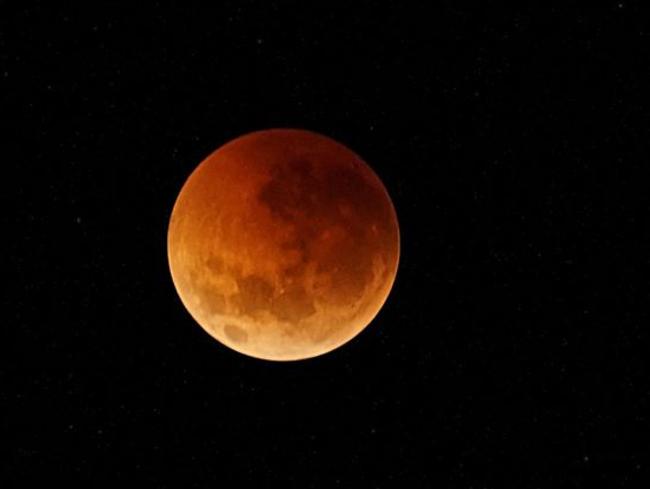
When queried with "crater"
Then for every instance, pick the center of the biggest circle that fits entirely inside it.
(215, 264)
(293, 305)
(235, 333)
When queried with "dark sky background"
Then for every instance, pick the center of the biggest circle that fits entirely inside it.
(513, 350)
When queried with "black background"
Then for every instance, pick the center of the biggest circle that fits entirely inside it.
(512, 352)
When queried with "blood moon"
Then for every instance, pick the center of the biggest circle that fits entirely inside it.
(283, 244)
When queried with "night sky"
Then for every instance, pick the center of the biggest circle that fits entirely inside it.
(513, 349)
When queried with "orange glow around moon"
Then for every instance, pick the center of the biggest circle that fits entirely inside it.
(283, 244)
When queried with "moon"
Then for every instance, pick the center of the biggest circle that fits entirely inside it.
(283, 244)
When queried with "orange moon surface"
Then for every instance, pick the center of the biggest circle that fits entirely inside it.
(283, 244)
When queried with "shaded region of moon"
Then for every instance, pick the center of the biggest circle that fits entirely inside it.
(283, 244)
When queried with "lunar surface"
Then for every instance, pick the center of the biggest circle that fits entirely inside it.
(283, 244)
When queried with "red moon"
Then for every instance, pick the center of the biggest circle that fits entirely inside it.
(283, 244)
